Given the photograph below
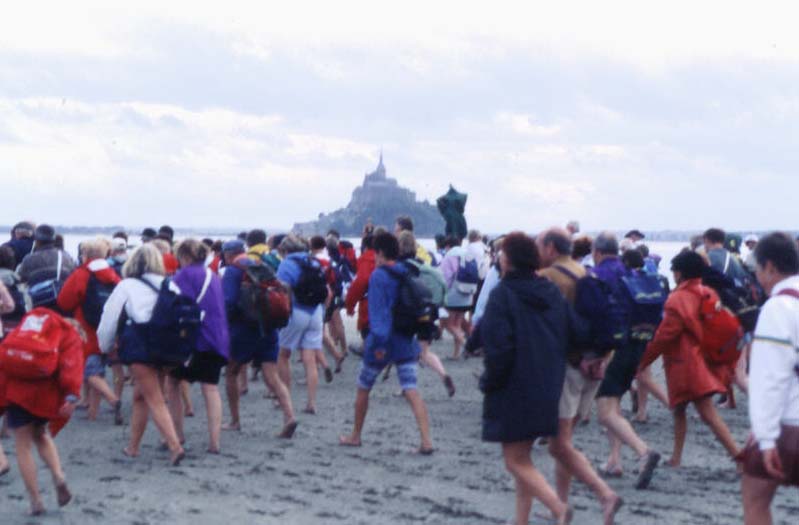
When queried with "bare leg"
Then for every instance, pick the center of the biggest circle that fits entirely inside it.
(23, 440)
(519, 464)
(429, 358)
(49, 453)
(712, 419)
(93, 398)
(338, 332)
(419, 410)
(453, 326)
(361, 407)
(284, 367)
(118, 374)
(232, 388)
(101, 387)
(648, 385)
(138, 421)
(185, 395)
(570, 461)
(680, 429)
(175, 399)
(273, 382)
(611, 418)
(757, 495)
(4, 466)
(147, 379)
(243, 385)
(213, 411)
(309, 358)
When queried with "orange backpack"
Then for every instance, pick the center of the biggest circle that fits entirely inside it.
(722, 331)
(31, 350)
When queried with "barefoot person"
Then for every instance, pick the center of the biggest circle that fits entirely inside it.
(303, 275)
(82, 297)
(205, 366)
(460, 295)
(772, 458)
(136, 299)
(554, 248)
(525, 329)
(250, 342)
(385, 346)
(30, 404)
(677, 339)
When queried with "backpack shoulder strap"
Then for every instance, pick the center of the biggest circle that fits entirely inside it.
(150, 285)
(726, 263)
(206, 284)
(60, 261)
(565, 271)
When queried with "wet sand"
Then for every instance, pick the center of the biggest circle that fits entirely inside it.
(310, 480)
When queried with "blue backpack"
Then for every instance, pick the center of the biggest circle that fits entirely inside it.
(97, 294)
(171, 334)
(468, 276)
(602, 308)
(647, 295)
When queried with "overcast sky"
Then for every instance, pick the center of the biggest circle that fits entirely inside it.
(618, 114)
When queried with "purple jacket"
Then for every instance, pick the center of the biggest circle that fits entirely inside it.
(214, 333)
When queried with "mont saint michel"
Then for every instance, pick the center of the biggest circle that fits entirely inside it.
(379, 199)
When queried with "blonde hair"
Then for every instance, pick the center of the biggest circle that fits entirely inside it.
(94, 249)
(407, 244)
(193, 250)
(145, 259)
(162, 246)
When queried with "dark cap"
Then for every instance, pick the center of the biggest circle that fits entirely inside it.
(44, 233)
(166, 232)
(634, 233)
(233, 246)
(148, 233)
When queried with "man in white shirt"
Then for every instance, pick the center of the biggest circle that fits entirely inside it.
(773, 458)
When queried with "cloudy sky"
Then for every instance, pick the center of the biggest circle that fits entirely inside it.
(619, 114)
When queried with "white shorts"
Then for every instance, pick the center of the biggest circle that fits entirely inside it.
(578, 394)
(304, 331)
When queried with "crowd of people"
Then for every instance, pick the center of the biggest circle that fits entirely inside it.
(564, 322)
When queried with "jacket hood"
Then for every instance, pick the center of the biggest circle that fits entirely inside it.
(534, 291)
(102, 271)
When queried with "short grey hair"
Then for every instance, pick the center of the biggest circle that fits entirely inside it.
(606, 243)
(559, 239)
(293, 244)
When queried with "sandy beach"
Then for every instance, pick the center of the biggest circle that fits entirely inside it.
(261, 479)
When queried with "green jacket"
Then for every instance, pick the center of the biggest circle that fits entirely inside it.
(434, 280)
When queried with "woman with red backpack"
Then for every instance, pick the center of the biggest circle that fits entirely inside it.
(679, 338)
(41, 370)
(82, 297)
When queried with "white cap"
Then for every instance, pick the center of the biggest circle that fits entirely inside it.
(118, 244)
(751, 238)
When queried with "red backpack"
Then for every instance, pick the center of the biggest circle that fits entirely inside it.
(263, 299)
(722, 331)
(31, 350)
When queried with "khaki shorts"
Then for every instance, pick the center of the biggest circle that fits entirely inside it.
(578, 394)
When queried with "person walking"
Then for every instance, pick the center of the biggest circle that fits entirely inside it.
(771, 458)
(525, 330)
(135, 298)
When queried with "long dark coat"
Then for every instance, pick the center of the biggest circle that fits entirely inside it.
(526, 330)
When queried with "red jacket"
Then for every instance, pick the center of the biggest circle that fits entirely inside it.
(356, 294)
(45, 397)
(73, 294)
(677, 339)
(171, 264)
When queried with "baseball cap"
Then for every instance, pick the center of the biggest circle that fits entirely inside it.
(235, 246)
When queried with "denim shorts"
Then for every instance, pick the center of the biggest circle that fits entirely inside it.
(406, 373)
(94, 366)
(304, 331)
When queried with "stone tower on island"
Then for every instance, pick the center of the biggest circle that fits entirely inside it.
(379, 199)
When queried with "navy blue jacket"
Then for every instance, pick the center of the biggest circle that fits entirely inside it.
(383, 345)
(526, 330)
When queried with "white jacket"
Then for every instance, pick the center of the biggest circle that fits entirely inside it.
(136, 298)
(773, 379)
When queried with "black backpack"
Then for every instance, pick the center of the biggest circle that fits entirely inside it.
(311, 288)
(742, 298)
(602, 308)
(172, 332)
(97, 294)
(414, 306)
